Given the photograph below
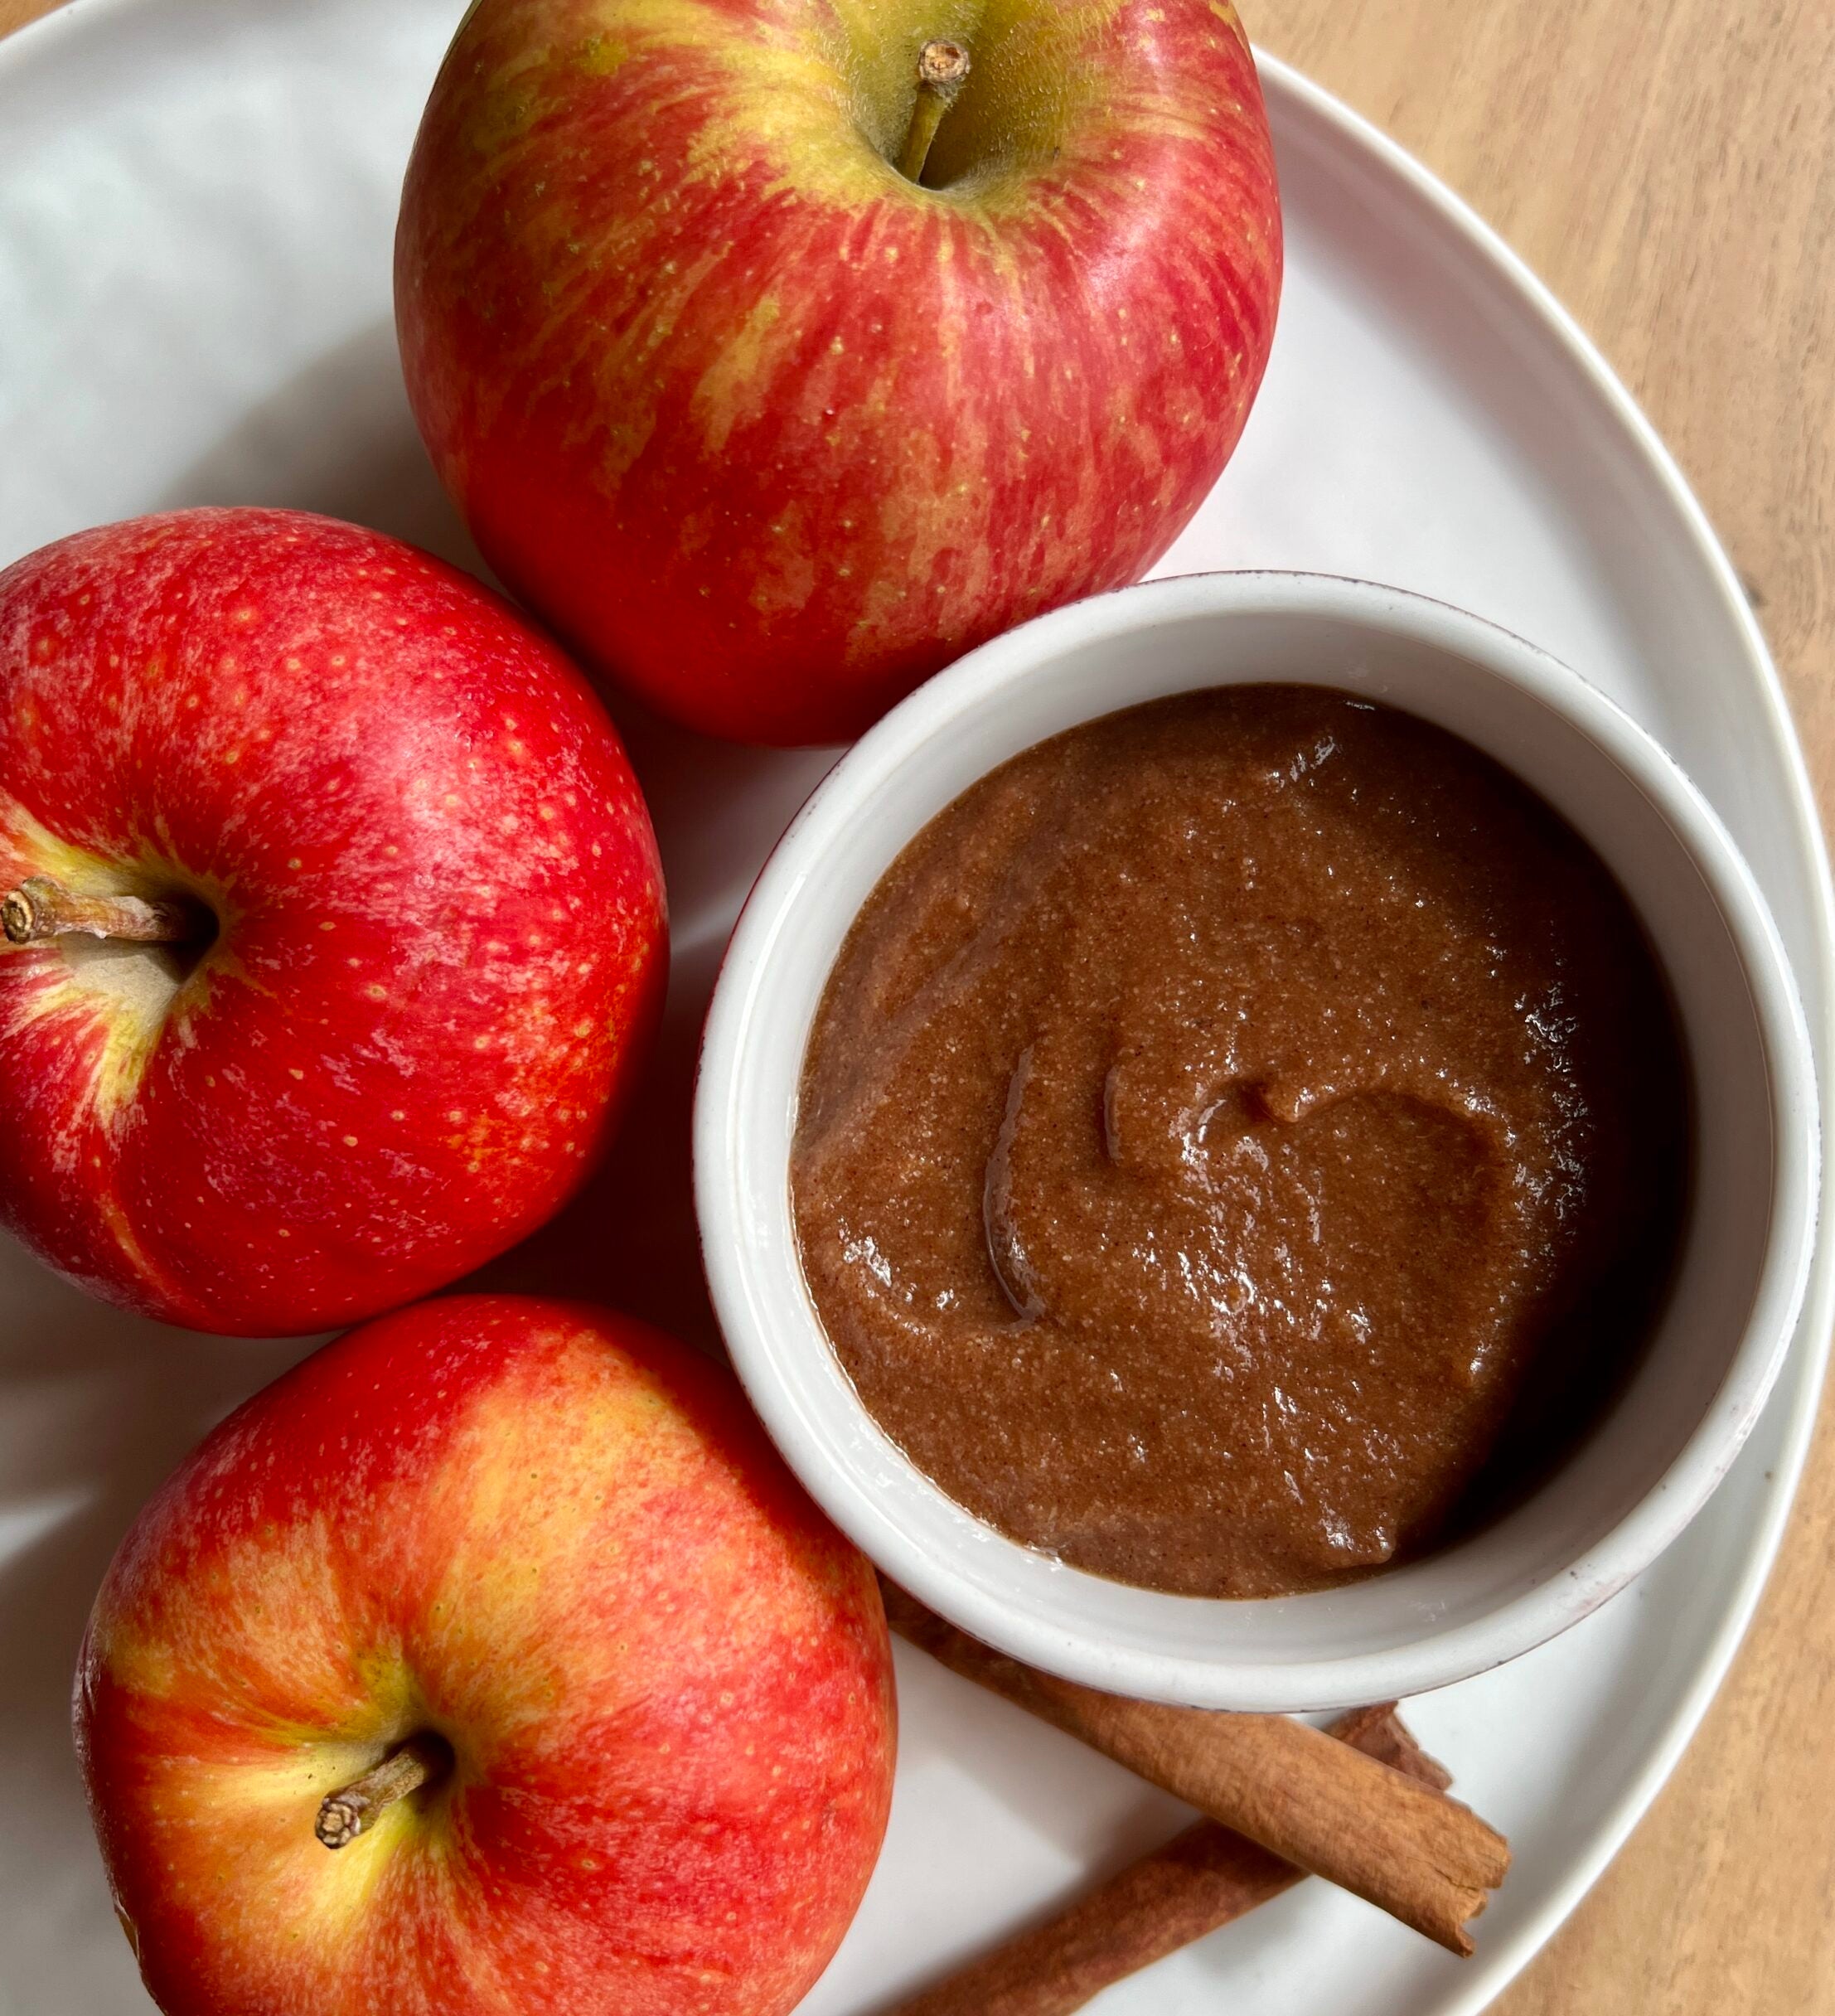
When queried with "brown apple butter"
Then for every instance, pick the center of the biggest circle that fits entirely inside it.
(1241, 1139)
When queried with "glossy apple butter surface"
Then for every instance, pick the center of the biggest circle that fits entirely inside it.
(1242, 1141)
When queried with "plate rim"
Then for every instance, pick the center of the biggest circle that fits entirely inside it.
(1339, 130)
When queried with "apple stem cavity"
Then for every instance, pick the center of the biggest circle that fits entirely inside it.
(41, 909)
(942, 70)
(343, 1815)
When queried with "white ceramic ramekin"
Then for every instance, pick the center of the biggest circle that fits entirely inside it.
(1652, 1462)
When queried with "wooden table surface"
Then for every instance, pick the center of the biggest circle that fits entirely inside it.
(1669, 166)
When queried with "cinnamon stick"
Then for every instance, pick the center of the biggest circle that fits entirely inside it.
(1200, 1880)
(1329, 1809)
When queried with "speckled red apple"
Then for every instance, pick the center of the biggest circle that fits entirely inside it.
(534, 1569)
(416, 916)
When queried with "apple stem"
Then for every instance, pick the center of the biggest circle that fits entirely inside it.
(41, 909)
(942, 69)
(343, 1815)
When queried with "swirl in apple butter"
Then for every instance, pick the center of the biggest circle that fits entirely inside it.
(1242, 1140)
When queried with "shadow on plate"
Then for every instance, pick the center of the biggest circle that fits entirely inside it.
(338, 438)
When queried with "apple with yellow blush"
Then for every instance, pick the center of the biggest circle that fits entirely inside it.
(777, 351)
(489, 1660)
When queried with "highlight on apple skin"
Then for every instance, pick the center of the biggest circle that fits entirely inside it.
(770, 431)
(335, 923)
(489, 1660)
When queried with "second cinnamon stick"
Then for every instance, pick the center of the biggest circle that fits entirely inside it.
(1291, 1788)
(1202, 1878)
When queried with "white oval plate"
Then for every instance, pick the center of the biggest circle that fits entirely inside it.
(197, 198)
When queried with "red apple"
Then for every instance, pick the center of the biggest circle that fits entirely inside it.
(416, 916)
(770, 431)
(540, 1561)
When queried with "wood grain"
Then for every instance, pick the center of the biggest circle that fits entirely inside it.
(1670, 171)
